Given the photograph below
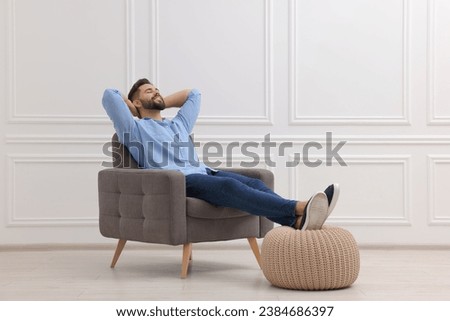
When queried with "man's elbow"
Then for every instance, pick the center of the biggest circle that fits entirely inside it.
(108, 96)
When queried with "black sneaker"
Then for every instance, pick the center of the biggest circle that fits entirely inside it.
(316, 212)
(332, 193)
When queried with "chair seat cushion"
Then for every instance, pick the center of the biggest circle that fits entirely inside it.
(201, 209)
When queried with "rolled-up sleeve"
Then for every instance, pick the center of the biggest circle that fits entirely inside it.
(118, 112)
(188, 113)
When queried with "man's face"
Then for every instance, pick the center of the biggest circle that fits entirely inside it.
(150, 98)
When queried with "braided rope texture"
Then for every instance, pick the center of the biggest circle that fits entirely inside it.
(323, 259)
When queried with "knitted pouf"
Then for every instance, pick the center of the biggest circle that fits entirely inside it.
(310, 260)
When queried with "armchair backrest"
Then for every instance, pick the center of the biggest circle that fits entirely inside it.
(121, 156)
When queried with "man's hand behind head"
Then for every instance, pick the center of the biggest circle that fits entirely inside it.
(131, 107)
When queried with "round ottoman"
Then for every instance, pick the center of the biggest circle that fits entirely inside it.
(310, 260)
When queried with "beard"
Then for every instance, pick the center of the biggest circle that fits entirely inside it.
(156, 103)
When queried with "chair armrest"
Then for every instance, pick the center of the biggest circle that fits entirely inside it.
(261, 173)
(143, 205)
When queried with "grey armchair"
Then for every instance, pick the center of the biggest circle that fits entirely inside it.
(151, 206)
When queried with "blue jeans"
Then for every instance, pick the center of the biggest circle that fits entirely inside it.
(241, 192)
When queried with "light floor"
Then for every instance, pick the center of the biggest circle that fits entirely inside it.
(219, 271)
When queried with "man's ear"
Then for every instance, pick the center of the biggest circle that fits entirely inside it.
(137, 103)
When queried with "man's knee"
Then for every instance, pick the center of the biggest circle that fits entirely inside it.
(228, 184)
(257, 183)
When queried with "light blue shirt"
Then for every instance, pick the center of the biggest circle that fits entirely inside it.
(157, 144)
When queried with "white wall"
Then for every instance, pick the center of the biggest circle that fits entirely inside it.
(375, 73)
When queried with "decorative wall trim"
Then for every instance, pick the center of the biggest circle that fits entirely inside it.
(295, 139)
(404, 160)
(57, 139)
(131, 41)
(14, 117)
(12, 198)
(267, 118)
(432, 118)
(295, 119)
(154, 41)
(433, 218)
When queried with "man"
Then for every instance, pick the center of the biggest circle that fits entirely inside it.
(158, 143)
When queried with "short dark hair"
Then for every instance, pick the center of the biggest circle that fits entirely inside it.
(135, 88)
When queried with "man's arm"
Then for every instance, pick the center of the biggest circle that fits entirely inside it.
(187, 115)
(177, 99)
(118, 112)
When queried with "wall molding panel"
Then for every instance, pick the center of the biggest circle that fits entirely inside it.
(16, 117)
(397, 219)
(436, 218)
(433, 118)
(297, 119)
(13, 197)
(267, 118)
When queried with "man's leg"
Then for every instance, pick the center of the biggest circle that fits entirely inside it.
(249, 181)
(331, 192)
(259, 185)
(231, 192)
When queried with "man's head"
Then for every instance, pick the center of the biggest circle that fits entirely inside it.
(145, 95)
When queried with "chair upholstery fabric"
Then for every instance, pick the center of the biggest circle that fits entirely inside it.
(151, 206)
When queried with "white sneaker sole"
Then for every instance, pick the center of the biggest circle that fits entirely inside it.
(334, 198)
(316, 212)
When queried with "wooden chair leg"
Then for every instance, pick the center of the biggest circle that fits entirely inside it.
(119, 248)
(254, 245)
(187, 255)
